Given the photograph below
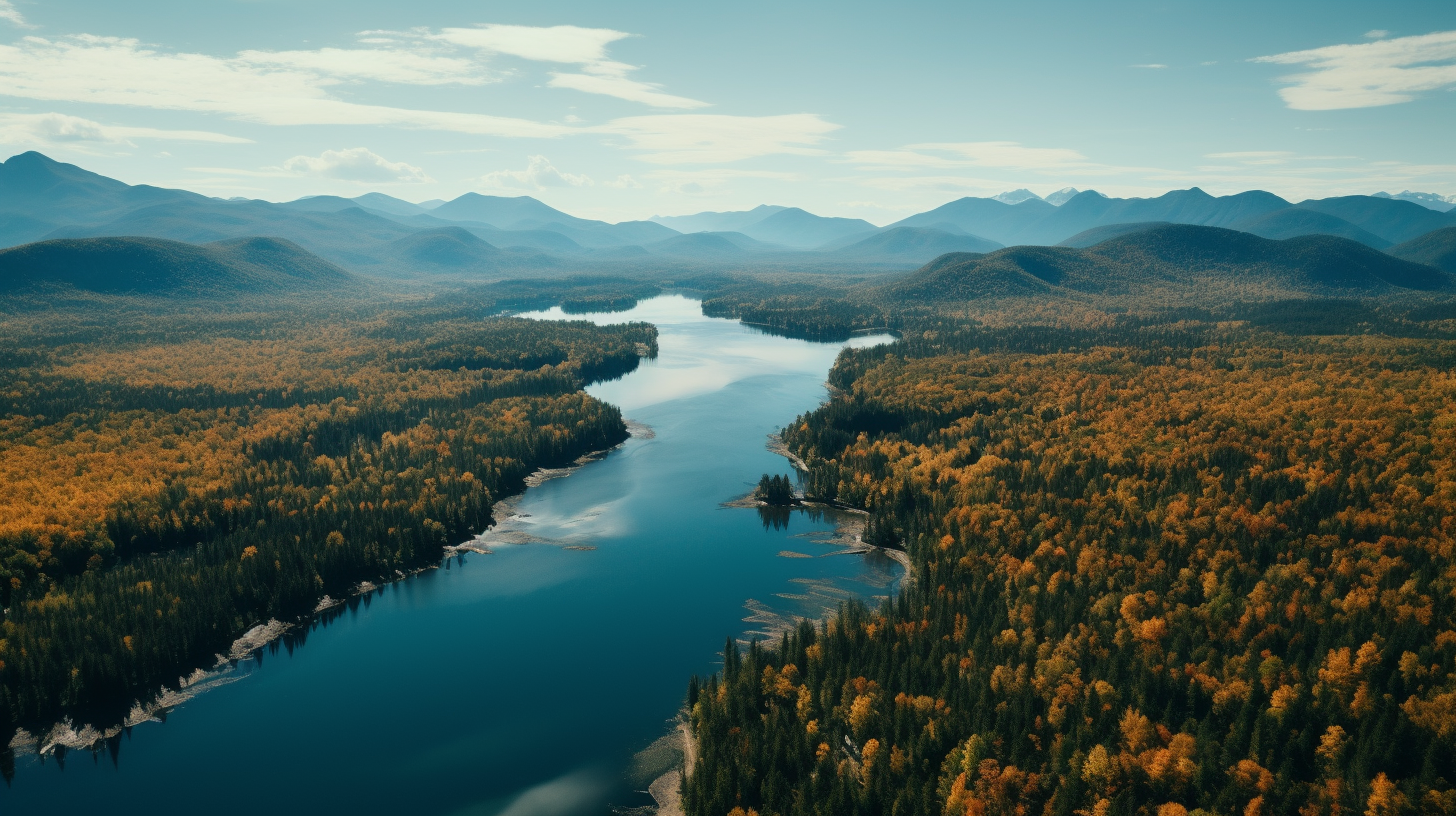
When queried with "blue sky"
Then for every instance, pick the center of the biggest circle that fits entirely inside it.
(627, 110)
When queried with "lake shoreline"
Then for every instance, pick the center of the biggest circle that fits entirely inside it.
(229, 668)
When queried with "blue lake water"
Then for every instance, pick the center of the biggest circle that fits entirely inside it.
(523, 681)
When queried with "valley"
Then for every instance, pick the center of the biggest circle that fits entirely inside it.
(454, 488)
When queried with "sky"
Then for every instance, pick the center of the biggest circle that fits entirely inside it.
(626, 110)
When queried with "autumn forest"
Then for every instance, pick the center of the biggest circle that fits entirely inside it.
(170, 478)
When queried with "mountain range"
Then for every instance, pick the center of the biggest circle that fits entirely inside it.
(1176, 258)
(479, 235)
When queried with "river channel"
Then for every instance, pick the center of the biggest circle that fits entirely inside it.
(523, 681)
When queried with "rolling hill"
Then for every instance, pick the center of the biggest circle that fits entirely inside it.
(445, 250)
(1294, 221)
(1437, 248)
(1185, 258)
(154, 266)
(913, 244)
(1368, 219)
(1096, 235)
(711, 245)
(351, 237)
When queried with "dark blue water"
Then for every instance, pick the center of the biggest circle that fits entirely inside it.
(519, 682)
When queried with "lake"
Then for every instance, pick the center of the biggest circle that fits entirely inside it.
(523, 681)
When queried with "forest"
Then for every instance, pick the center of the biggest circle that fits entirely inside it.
(172, 475)
(1165, 563)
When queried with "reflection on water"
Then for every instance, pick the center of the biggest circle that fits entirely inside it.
(523, 680)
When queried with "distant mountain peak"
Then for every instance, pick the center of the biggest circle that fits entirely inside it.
(1061, 196)
(1017, 196)
(1431, 201)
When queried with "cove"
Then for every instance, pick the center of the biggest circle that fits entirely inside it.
(523, 681)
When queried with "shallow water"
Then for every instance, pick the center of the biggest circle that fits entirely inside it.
(523, 681)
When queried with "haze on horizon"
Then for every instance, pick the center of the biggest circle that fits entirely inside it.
(661, 109)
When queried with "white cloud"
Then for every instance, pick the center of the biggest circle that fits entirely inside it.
(539, 174)
(623, 182)
(570, 45)
(566, 44)
(1149, 65)
(12, 15)
(713, 139)
(59, 128)
(1377, 34)
(1364, 75)
(403, 66)
(114, 71)
(623, 88)
(355, 164)
(298, 88)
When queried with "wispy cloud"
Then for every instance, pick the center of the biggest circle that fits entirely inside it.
(12, 15)
(1376, 34)
(565, 44)
(1149, 65)
(716, 139)
(287, 88)
(115, 71)
(356, 164)
(570, 45)
(953, 155)
(1364, 75)
(622, 87)
(60, 128)
(397, 65)
(538, 175)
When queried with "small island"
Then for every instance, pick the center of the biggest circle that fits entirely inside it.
(776, 491)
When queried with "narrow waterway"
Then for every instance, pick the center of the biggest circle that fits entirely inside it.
(523, 681)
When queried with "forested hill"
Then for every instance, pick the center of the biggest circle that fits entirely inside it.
(1436, 249)
(154, 266)
(1172, 258)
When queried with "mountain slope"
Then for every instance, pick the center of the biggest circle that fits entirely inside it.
(505, 212)
(1096, 235)
(445, 249)
(794, 227)
(1437, 248)
(388, 204)
(1306, 262)
(986, 217)
(1395, 221)
(39, 194)
(524, 213)
(717, 221)
(916, 244)
(1294, 221)
(1034, 221)
(351, 237)
(154, 266)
